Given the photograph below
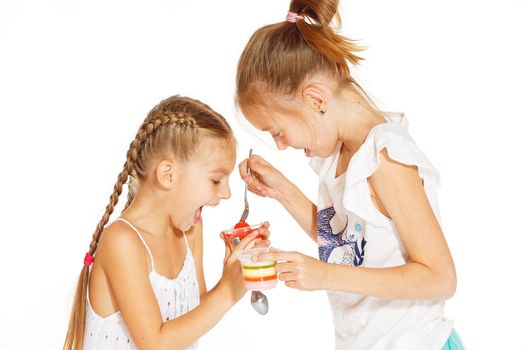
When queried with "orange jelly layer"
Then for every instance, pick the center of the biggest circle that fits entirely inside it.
(260, 279)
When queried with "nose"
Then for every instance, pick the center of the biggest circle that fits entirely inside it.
(224, 191)
(280, 144)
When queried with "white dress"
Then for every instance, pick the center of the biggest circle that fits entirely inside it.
(175, 297)
(352, 231)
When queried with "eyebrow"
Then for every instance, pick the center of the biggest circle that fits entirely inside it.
(220, 170)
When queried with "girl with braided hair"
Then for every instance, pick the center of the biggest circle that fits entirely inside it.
(383, 258)
(142, 285)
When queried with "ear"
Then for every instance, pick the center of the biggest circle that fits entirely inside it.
(317, 96)
(165, 174)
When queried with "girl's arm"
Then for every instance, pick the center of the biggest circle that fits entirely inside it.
(266, 181)
(429, 273)
(125, 263)
(301, 208)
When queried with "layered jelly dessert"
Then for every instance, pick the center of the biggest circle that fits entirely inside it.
(258, 275)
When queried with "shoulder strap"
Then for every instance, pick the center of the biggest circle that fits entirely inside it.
(186, 240)
(142, 239)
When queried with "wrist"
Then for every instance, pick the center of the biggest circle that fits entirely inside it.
(225, 294)
(324, 275)
(335, 276)
(286, 193)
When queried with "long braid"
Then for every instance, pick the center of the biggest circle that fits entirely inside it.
(183, 120)
(148, 135)
(147, 130)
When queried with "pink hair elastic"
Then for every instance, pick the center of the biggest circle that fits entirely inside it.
(88, 259)
(292, 17)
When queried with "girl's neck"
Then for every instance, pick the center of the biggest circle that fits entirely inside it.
(147, 215)
(355, 118)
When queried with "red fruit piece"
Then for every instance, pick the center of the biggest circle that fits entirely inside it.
(241, 224)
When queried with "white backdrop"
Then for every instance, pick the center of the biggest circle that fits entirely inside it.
(77, 79)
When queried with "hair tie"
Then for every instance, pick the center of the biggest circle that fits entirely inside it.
(88, 259)
(292, 17)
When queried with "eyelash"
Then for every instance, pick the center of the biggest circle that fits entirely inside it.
(277, 134)
(216, 182)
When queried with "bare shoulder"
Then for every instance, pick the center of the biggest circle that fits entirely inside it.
(120, 243)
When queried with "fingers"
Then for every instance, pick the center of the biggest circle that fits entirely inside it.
(263, 243)
(248, 242)
(263, 230)
(285, 268)
(292, 284)
(258, 189)
(259, 165)
(290, 278)
(254, 184)
(278, 256)
(242, 170)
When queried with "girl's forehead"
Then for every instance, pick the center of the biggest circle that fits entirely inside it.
(216, 153)
(264, 117)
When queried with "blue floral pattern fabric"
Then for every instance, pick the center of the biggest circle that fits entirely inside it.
(346, 247)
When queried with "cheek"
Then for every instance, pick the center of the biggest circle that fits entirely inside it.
(189, 193)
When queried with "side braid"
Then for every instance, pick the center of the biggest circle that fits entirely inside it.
(150, 126)
(147, 130)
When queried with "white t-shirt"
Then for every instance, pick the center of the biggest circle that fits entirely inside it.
(352, 231)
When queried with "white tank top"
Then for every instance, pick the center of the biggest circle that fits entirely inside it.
(175, 297)
(352, 231)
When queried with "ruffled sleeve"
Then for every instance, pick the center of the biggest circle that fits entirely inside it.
(394, 137)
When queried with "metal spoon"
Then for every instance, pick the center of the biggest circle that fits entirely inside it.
(258, 300)
(246, 210)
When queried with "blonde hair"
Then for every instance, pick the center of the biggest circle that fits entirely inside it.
(280, 56)
(174, 127)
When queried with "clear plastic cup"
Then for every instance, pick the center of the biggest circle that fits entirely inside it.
(257, 275)
(240, 233)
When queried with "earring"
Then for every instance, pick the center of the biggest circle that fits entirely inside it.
(322, 108)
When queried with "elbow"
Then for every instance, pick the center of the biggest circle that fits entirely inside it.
(445, 286)
(449, 288)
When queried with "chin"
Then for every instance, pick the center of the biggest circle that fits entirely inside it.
(186, 227)
(183, 226)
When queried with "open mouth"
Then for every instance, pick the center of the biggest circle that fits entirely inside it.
(307, 152)
(197, 215)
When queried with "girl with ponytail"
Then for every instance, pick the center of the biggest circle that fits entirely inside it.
(383, 258)
(142, 284)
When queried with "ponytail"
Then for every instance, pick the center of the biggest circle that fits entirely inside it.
(318, 29)
(280, 56)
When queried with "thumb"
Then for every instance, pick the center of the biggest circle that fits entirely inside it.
(227, 251)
